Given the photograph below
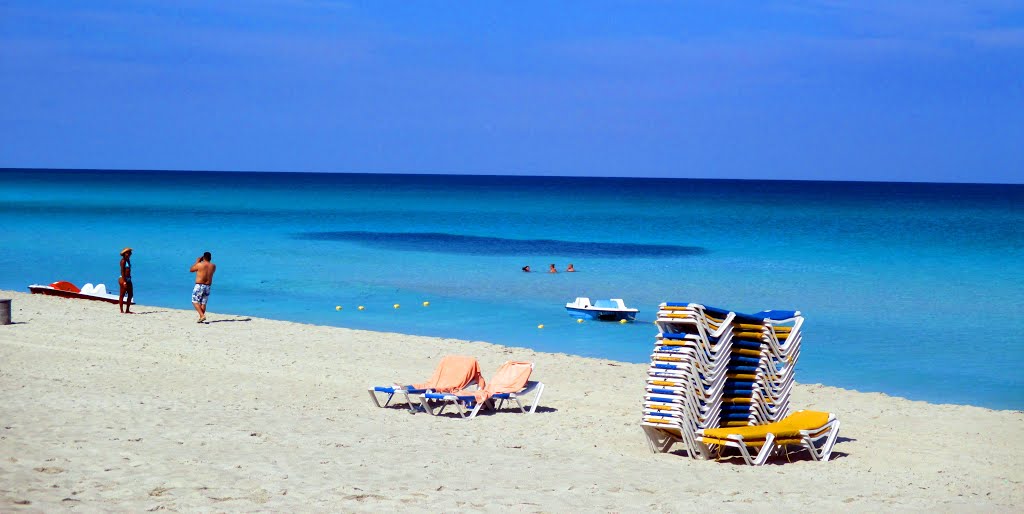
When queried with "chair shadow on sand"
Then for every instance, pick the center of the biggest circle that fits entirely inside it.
(488, 412)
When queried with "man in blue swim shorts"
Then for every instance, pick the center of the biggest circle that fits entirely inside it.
(204, 269)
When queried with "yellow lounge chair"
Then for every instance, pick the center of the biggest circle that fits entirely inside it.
(805, 427)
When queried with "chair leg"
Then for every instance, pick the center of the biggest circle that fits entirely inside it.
(762, 455)
(699, 451)
(695, 449)
(425, 404)
(536, 399)
(442, 405)
(518, 404)
(830, 442)
(824, 452)
(657, 440)
(408, 401)
(373, 396)
(469, 412)
(475, 411)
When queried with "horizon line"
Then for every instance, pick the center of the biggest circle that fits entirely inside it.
(517, 175)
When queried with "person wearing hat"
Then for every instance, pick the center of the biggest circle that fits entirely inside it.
(125, 281)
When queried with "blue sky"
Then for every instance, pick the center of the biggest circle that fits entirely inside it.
(915, 90)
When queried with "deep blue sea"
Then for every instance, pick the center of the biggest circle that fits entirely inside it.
(915, 290)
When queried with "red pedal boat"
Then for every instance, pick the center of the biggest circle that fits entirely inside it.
(68, 290)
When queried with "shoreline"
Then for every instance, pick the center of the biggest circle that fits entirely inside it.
(5, 293)
(153, 411)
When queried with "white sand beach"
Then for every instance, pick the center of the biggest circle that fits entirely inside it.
(153, 412)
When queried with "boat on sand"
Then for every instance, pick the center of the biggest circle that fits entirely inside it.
(66, 289)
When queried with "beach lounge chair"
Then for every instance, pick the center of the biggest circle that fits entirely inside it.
(453, 373)
(510, 383)
(813, 430)
(717, 369)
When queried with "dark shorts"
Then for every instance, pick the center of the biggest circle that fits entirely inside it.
(200, 294)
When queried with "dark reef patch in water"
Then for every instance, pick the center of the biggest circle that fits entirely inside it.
(478, 245)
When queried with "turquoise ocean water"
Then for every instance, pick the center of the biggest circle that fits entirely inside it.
(914, 290)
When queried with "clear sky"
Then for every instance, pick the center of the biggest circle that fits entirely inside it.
(916, 90)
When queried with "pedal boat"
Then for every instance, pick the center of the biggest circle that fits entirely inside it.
(66, 289)
(602, 310)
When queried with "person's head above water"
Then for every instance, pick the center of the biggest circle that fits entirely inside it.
(526, 269)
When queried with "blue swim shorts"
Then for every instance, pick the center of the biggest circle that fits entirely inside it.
(200, 294)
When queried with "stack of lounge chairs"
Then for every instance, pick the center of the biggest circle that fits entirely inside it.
(457, 382)
(714, 369)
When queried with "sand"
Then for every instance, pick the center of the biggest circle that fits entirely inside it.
(151, 412)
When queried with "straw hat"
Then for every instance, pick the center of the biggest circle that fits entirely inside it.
(126, 250)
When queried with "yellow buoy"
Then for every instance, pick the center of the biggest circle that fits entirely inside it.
(338, 308)
(580, 320)
(540, 326)
(622, 321)
(361, 307)
(426, 304)
(397, 306)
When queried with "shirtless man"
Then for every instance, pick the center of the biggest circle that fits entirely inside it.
(203, 269)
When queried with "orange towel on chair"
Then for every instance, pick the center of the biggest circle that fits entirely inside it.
(510, 377)
(454, 372)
